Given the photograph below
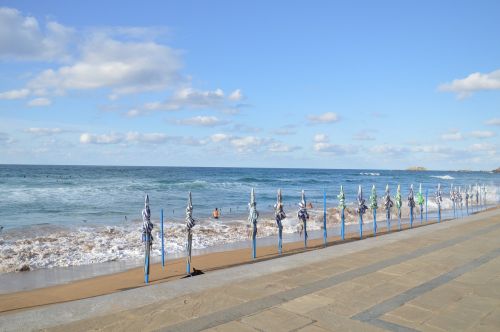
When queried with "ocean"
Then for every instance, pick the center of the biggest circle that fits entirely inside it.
(59, 216)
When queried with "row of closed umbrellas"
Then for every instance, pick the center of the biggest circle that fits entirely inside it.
(303, 216)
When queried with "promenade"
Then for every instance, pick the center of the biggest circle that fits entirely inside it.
(441, 277)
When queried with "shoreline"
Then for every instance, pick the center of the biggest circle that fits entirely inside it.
(175, 269)
(17, 281)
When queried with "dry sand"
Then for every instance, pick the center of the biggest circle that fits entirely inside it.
(174, 269)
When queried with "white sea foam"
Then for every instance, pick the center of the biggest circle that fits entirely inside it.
(369, 173)
(51, 246)
(46, 246)
(443, 177)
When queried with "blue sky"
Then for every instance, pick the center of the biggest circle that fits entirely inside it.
(352, 84)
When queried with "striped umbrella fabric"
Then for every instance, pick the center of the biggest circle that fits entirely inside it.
(147, 228)
(190, 223)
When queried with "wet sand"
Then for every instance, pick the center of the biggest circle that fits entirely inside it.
(174, 269)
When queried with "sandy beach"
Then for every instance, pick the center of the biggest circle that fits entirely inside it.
(174, 269)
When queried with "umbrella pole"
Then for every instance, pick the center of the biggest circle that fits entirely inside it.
(188, 262)
(324, 217)
(146, 260)
(411, 216)
(342, 227)
(439, 213)
(305, 233)
(388, 215)
(254, 242)
(360, 226)
(162, 242)
(399, 218)
(426, 194)
(280, 239)
(374, 222)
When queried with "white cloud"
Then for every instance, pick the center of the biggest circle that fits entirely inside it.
(482, 134)
(37, 102)
(44, 131)
(320, 138)
(474, 82)
(87, 138)
(246, 143)
(22, 38)
(453, 135)
(481, 147)
(328, 117)
(206, 121)
(154, 138)
(334, 148)
(133, 137)
(15, 94)
(282, 148)
(219, 137)
(493, 122)
(388, 149)
(123, 67)
(236, 95)
(188, 98)
(439, 149)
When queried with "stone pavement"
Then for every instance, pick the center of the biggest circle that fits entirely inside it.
(442, 277)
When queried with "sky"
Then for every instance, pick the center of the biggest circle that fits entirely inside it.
(308, 84)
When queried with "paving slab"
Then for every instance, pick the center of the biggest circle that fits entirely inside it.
(438, 277)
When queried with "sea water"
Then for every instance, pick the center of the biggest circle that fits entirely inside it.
(66, 216)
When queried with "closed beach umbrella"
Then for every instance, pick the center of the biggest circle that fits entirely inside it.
(399, 204)
(361, 209)
(460, 201)
(147, 228)
(252, 219)
(453, 198)
(303, 215)
(411, 204)
(439, 199)
(388, 204)
(279, 215)
(467, 190)
(420, 202)
(190, 223)
(374, 206)
(341, 197)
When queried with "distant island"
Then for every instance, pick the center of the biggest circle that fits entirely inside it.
(496, 170)
(416, 168)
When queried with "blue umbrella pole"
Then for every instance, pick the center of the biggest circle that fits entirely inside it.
(324, 218)
(360, 226)
(374, 222)
(305, 233)
(342, 226)
(426, 194)
(280, 240)
(388, 215)
(188, 260)
(162, 242)
(146, 259)
(399, 218)
(411, 216)
(439, 213)
(421, 213)
(254, 242)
